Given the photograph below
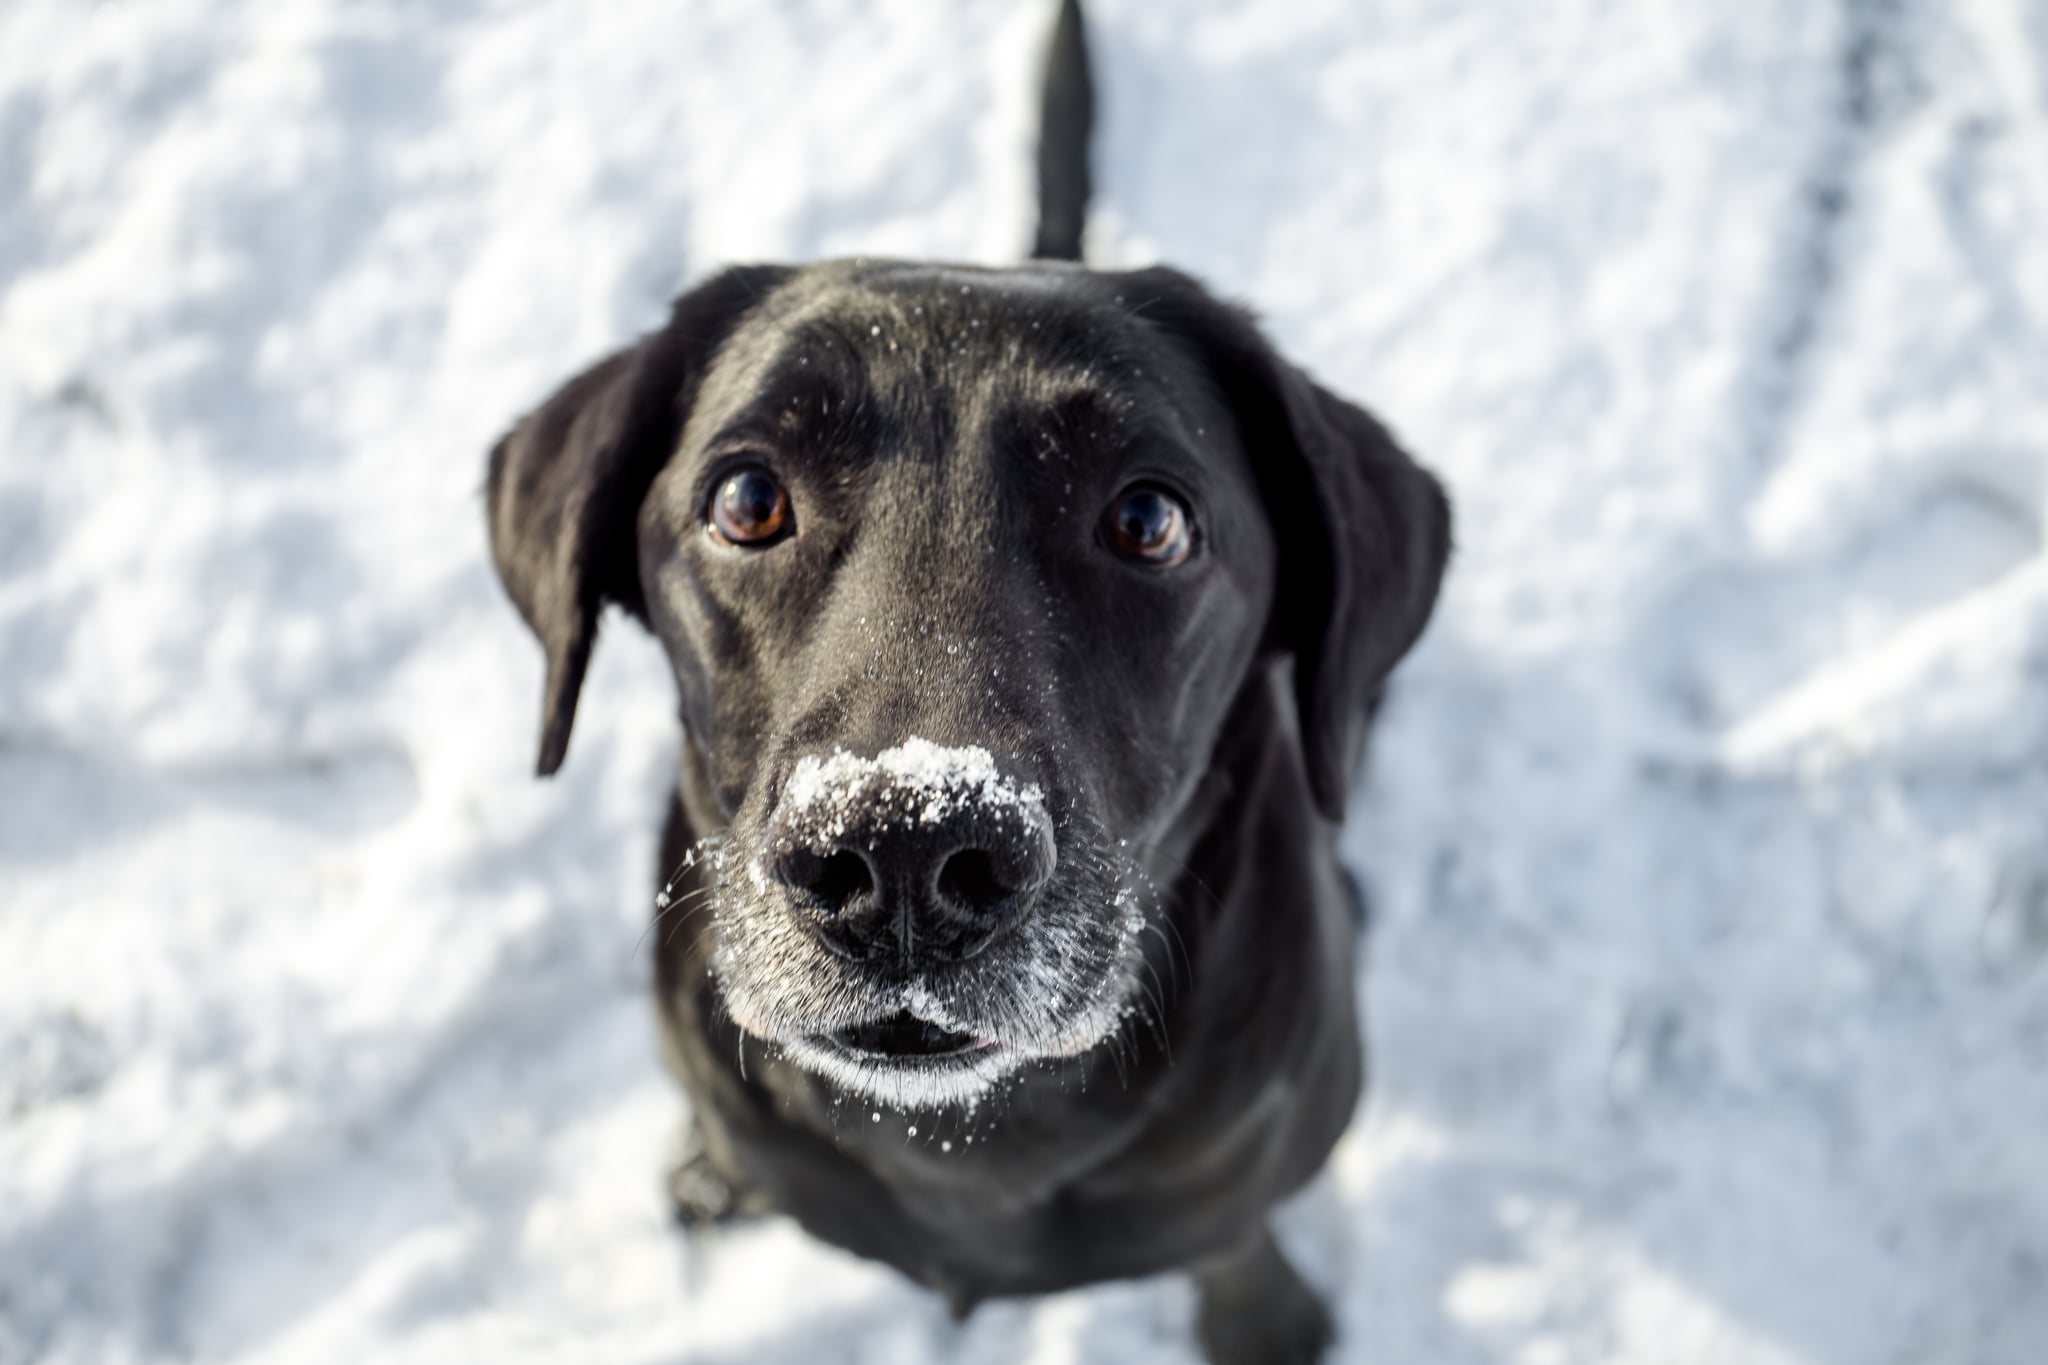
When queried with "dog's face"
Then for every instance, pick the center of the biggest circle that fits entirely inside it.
(960, 572)
(951, 567)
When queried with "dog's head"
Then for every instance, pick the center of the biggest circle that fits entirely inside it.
(960, 572)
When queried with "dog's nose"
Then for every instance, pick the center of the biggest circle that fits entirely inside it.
(929, 869)
(936, 890)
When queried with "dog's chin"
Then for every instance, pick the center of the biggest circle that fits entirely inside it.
(907, 1060)
(907, 1081)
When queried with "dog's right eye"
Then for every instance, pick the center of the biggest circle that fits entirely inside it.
(749, 508)
(1148, 525)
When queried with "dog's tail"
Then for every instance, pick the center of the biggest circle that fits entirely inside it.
(1066, 118)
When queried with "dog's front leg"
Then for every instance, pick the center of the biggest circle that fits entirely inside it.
(1255, 1309)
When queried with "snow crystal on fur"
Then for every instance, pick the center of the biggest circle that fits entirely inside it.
(917, 781)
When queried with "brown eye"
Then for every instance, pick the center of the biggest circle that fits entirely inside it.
(1149, 525)
(750, 508)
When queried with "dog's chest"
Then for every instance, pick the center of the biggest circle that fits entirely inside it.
(1036, 1192)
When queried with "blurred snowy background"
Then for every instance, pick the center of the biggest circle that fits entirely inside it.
(1709, 828)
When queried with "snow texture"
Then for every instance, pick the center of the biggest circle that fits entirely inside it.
(917, 782)
(1707, 829)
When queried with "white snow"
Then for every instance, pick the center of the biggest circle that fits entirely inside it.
(917, 782)
(1708, 828)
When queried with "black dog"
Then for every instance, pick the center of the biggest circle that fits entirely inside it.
(1026, 624)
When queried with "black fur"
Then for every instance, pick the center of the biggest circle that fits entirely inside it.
(949, 437)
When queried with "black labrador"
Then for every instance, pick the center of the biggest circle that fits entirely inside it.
(1026, 625)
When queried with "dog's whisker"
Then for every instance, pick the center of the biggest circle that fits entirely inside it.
(652, 923)
(1155, 992)
(1154, 851)
(1175, 952)
(1116, 1055)
(668, 907)
(707, 844)
(693, 912)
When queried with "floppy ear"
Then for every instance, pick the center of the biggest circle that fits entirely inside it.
(566, 484)
(1357, 584)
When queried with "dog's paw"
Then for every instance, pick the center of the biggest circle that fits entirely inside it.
(1259, 1311)
(699, 1192)
(702, 1193)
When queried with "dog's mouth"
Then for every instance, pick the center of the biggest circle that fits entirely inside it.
(904, 1037)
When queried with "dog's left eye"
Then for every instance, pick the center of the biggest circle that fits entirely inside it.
(1149, 525)
(749, 508)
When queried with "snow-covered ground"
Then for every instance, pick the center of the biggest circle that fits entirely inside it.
(1709, 828)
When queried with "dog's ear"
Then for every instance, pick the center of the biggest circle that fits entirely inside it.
(1363, 531)
(566, 484)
